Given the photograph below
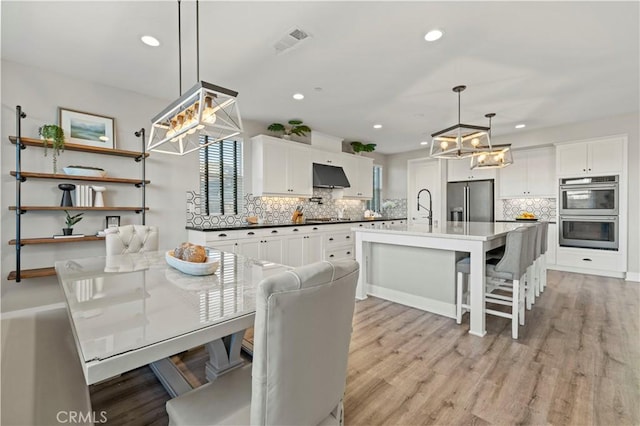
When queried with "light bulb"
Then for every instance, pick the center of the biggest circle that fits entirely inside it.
(481, 158)
(208, 114)
(172, 130)
(443, 145)
(179, 123)
(475, 142)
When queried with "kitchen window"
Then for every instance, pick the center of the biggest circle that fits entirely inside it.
(375, 202)
(221, 178)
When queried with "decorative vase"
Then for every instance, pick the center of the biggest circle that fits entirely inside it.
(67, 231)
(99, 201)
(66, 194)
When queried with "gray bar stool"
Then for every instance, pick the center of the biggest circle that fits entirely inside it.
(505, 275)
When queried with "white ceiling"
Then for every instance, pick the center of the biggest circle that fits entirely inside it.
(541, 63)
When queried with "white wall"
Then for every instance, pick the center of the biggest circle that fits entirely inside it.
(40, 93)
(629, 124)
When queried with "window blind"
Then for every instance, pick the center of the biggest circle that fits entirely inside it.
(221, 177)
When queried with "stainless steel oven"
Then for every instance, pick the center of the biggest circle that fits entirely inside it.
(589, 196)
(595, 232)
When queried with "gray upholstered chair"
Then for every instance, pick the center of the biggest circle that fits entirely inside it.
(131, 239)
(301, 334)
(505, 279)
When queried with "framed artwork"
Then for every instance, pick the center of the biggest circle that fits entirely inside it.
(83, 128)
(113, 221)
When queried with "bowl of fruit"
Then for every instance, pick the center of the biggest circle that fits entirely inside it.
(526, 216)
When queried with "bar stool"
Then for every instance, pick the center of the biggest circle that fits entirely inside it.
(531, 278)
(503, 275)
(542, 259)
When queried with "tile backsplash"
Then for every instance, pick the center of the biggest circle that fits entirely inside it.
(543, 208)
(280, 209)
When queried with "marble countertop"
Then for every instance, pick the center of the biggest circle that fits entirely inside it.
(309, 222)
(481, 231)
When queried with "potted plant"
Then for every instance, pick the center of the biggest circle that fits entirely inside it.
(359, 147)
(70, 221)
(54, 135)
(295, 127)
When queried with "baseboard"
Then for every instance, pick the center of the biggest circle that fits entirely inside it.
(598, 272)
(31, 311)
(633, 276)
(430, 305)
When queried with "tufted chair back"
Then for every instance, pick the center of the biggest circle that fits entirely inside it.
(131, 239)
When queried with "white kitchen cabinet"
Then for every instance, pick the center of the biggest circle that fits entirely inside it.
(359, 171)
(281, 168)
(270, 249)
(594, 157)
(460, 170)
(303, 248)
(531, 174)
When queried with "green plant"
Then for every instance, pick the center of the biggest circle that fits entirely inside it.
(366, 147)
(295, 127)
(53, 135)
(72, 220)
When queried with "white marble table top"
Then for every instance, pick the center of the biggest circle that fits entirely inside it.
(123, 303)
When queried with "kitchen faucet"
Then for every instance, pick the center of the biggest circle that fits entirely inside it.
(430, 217)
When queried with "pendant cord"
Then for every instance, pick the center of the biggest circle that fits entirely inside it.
(458, 107)
(179, 51)
(197, 40)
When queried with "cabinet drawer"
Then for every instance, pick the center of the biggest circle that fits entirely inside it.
(590, 259)
(333, 239)
(340, 253)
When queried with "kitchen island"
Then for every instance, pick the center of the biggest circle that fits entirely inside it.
(415, 264)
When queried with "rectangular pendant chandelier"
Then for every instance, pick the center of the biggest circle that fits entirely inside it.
(459, 141)
(495, 157)
(204, 110)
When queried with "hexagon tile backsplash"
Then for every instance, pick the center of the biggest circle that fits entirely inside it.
(280, 209)
(543, 208)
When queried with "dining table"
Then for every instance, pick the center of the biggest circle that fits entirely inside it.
(132, 310)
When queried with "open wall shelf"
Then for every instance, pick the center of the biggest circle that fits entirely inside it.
(21, 176)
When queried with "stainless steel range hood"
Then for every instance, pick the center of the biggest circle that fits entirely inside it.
(325, 176)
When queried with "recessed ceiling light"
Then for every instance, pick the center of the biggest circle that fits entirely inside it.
(520, 126)
(298, 96)
(377, 126)
(424, 143)
(433, 35)
(150, 41)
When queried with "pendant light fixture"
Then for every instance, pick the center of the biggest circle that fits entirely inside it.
(492, 157)
(203, 115)
(461, 140)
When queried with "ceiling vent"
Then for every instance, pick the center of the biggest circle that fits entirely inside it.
(293, 38)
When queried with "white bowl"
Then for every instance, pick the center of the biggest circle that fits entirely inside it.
(79, 171)
(208, 267)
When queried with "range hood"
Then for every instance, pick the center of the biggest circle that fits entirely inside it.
(325, 176)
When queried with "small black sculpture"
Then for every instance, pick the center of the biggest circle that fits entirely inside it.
(66, 194)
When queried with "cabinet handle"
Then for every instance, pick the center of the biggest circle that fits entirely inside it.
(331, 239)
(363, 225)
(222, 235)
(275, 231)
(584, 170)
(295, 230)
(315, 228)
(329, 161)
(348, 252)
(348, 236)
(251, 233)
(589, 169)
(331, 255)
(586, 259)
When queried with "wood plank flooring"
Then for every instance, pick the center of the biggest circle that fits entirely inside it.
(577, 362)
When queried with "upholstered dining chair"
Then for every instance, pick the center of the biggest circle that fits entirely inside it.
(131, 239)
(301, 334)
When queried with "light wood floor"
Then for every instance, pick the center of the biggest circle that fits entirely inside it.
(577, 362)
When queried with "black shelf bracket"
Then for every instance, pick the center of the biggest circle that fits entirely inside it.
(20, 115)
(141, 134)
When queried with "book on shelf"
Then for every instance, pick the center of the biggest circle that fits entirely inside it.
(69, 236)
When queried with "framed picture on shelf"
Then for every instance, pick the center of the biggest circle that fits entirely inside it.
(113, 221)
(83, 128)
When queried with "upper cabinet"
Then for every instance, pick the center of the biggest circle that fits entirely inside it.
(459, 170)
(281, 168)
(359, 171)
(530, 175)
(594, 157)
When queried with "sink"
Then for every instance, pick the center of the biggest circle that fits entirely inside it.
(326, 220)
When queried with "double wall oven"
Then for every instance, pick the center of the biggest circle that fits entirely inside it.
(589, 212)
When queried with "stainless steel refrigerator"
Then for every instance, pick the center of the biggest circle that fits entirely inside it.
(470, 201)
